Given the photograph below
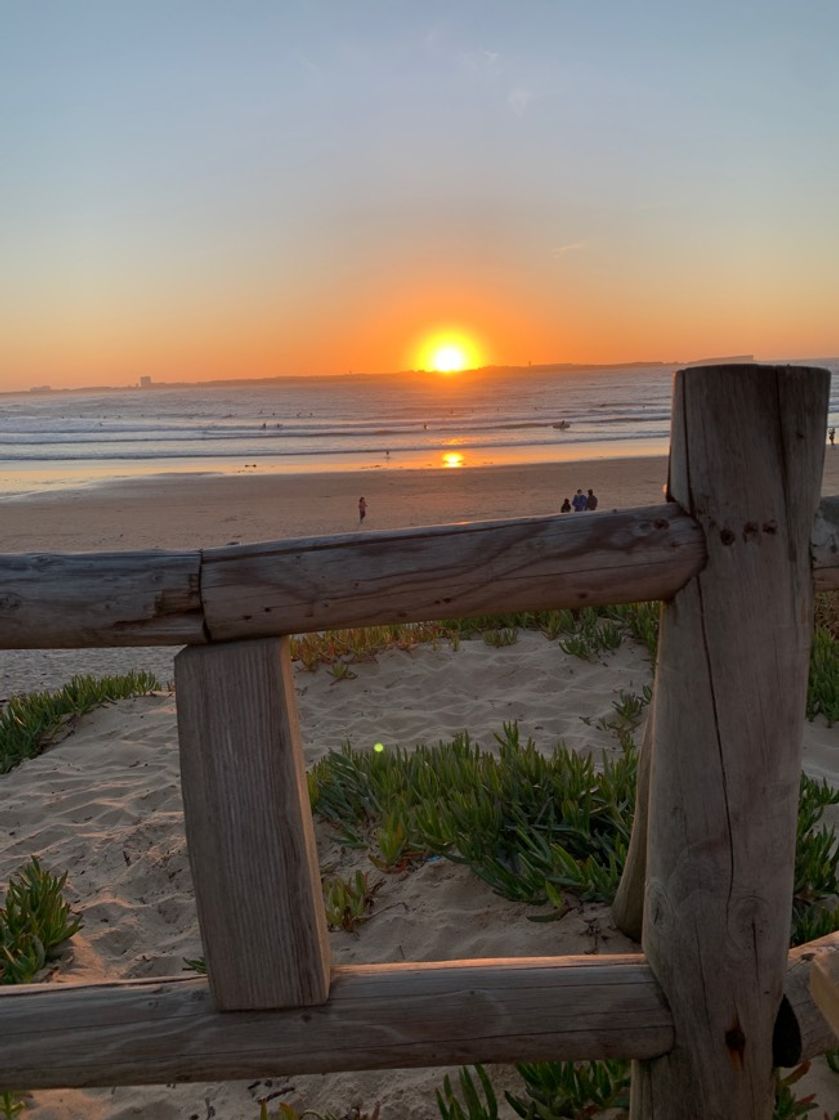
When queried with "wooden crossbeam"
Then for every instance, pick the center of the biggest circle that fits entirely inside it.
(378, 1017)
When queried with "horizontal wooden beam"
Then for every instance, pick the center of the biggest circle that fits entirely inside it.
(355, 579)
(79, 600)
(73, 600)
(378, 1017)
(385, 1016)
(801, 1031)
(449, 571)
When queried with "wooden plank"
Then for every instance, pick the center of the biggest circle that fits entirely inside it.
(65, 600)
(387, 1016)
(824, 985)
(249, 826)
(628, 904)
(449, 571)
(731, 679)
(55, 601)
(378, 1017)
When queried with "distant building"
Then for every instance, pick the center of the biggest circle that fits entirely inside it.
(145, 383)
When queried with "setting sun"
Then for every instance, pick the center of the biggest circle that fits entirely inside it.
(449, 359)
(448, 351)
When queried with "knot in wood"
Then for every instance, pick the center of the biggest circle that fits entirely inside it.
(727, 537)
(735, 1042)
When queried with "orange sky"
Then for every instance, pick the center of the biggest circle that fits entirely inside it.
(191, 195)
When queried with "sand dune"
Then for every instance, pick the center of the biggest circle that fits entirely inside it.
(105, 805)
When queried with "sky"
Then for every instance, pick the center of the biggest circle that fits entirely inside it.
(202, 190)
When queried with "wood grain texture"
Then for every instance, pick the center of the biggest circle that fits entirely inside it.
(449, 571)
(66, 600)
(628, 904)
(387, 1016)
(249, 827)
(55, 601)
(378, 1017)
(746, 462)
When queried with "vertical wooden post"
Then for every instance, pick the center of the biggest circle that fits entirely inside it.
(628, 905)
(746, 462)
(249, 827)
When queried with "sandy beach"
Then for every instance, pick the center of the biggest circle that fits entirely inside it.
(206, 511)
(195, 511)
(104, 804)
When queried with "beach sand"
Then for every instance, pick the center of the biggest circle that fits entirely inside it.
(207, 511)
(195, 511)
(104, 804)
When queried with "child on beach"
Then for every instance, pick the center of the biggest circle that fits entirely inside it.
(565, 507)
(362, 509)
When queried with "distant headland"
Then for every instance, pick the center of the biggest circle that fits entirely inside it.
(147, 383)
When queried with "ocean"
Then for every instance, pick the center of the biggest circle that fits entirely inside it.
(55, 440)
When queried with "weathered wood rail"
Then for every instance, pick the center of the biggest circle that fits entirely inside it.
(715, 1001)
(73, 600)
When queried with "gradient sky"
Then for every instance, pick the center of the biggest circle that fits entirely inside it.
(194, 190)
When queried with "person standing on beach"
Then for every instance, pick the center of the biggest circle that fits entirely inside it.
(591, 500)
(565, 507)
(579, 502)
(831, 435)
(362, 509)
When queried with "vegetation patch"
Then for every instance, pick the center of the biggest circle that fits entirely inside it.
(35, 922)
(591, 630)
(579, 1090)
(588, 633)
(349, 901)
(535, 827)
(31, 722)
(823, 685)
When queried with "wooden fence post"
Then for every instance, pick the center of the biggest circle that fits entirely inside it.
(746, 462)
(249, 827)
(628, 904)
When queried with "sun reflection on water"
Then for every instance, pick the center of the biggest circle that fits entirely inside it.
(453, 459)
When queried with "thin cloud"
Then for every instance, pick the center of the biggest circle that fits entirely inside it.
(480, 61)
(571, 247)
(519, 98)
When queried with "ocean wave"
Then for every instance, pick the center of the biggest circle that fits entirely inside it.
(250, 452)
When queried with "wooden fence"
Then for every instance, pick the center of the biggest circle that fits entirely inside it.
(715, 1001)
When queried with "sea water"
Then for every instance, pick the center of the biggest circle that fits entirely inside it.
(390, 422)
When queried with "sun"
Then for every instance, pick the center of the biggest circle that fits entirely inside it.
(448, 352)
(448, 359)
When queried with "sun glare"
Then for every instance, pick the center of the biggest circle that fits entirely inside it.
(449, 359)
(448, 352)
